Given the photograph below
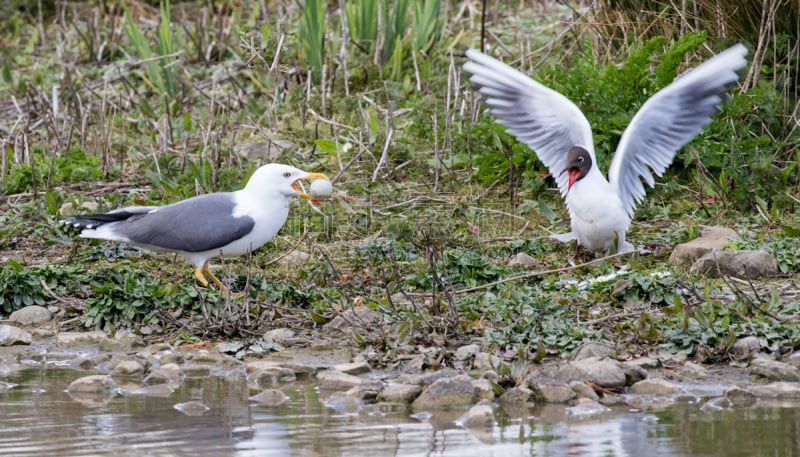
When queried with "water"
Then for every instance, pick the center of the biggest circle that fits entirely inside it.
(38, 418)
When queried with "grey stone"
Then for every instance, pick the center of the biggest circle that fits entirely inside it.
(693, 370)
(633, 373)
(553, 392)
(446, 393)
(128, 369)
(518, 395)
(270, 377)
(301, 370)
(481, 415)
(95, 384)
(203, 356)
(31, 315)
(485, 361)
(344, 404)
(643, 362)
(685, 254)
(583, 390)
(743, 264)
(123, 340)
(336, 380)
(654, 387)
(593, 349)
(740, 397)
(158, 377)
(523, 260)
(170, 356)
(270, 397)
(354, 368)
(604, 373)
(745, 348)
(426, 379)
(716, 404)
(196, 371)
(72, 339)
(778, 390)
(483, 388)
(171, 369)
(773, 370)
(360, 318)
(467, 352)
(10, 335)
(368, 390)
(279, 335)
(399, 393)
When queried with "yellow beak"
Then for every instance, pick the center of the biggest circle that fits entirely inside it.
(311, 176)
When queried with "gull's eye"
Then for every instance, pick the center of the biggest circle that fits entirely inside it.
(580, 159)
(287, 174)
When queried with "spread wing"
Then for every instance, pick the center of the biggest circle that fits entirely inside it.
(667, 121)
(538, 116)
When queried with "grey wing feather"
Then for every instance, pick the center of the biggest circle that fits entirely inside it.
(538, 116)
(669, 120)
(197, 224)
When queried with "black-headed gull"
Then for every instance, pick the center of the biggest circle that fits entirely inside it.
(600, 210)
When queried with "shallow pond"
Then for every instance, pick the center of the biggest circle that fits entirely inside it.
(40, 419)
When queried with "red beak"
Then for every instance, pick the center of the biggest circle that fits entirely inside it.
(573, 174)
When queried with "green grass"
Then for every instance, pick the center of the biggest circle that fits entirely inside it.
(425, 238)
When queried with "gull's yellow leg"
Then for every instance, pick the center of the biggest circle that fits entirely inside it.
(214, 278)
(198, 273)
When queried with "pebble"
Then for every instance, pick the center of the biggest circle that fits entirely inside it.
(10, 335)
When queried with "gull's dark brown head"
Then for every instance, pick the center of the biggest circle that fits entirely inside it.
(579, 162)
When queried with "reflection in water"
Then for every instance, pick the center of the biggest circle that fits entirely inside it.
(39, 419)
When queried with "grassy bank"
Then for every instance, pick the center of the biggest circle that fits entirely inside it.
(113, 106)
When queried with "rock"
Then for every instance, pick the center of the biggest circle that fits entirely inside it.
(95, 384)
(716, 404)
(794, 359)
(446, 393)
(399, 393)
(553, 392)
(123, 341)
(279, 335)
(192, 408)
(633, 373)
(172, 370)
(158, 377)
(196, 371)
(479, 416)
(336, 380)
(301, 370)
(656, 386)
(264, 151)
(203, 356)
(368, 390)
(593, 349)
(604, 373)
(68, 208)
(270, 397)
(773, 370)
(523, 260)
(685, 254)
(72, 339)
(467, 352)
(344, 404)
(167, 357)
(778, 390)
(583, 390)
(10, 335)
(744, 264)
(485, 361)
(586, 407)
(128, 369)
(740, 397)
(643, 362)
(31, 315)
(426, 379)
(745, 348)
(295, 260)
(517, 396)
(483, 388)
(693, 370)
(270, 377)
(354, 368)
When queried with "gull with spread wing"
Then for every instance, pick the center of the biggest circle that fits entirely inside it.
(600, 210)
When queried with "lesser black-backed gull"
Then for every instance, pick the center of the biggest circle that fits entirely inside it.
(222, 224)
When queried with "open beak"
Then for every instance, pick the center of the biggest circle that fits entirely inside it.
(573, 174)
(298, 188)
